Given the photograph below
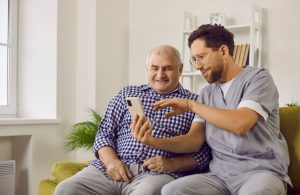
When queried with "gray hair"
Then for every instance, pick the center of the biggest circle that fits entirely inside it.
(165, 49)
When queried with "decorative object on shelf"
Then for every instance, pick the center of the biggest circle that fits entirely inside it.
(189, 22)
(217, 18)
(83, 133)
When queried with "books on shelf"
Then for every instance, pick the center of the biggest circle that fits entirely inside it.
(237, 53)
(246, 56)
(241, 54)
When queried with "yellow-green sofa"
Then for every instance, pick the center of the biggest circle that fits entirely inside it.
(289, 125)
(60, 171)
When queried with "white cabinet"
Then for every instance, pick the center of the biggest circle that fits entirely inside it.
(243, 33)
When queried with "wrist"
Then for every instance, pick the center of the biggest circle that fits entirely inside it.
(107, 155)
(190, 105)
(109, 161)
(152, 142)
(174, 166)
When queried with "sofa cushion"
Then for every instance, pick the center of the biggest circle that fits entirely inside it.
(63, 170)
(290, 128)
(47, 186)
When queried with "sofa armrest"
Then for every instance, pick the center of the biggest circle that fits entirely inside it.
(290, 128)
(63, 170)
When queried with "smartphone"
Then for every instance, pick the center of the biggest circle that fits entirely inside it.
(134, 105)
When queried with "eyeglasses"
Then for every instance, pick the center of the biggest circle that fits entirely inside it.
(196, 60)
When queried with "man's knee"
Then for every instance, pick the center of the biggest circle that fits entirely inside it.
(146, 190)
(66, 188)
(143, 186)
(263, 184)
(171, 188)
(261, 191)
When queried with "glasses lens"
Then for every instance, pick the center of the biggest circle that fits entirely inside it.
(193, 62)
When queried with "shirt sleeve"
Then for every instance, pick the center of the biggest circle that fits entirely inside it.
(197, 118)
(201, 99)
(203, 157)
(261, 94)
(256, 107)
(107, 130)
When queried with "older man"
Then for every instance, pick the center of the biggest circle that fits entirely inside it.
(126, 166)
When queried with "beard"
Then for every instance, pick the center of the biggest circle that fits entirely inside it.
(215, 72)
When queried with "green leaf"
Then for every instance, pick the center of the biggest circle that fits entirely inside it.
(82, 134)
(292, 104)
(95, 117)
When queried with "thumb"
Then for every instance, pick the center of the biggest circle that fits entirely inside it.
(128, 172)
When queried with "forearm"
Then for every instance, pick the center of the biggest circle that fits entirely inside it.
(107, 154)
(183, 163)
(235, 121)
(178, 144)
(190, 142)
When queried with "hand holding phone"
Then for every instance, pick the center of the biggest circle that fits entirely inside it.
(134, 105)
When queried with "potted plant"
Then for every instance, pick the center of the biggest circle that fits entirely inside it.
(83, 133)
(292, 104)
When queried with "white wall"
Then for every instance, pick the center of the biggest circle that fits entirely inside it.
(102, 56)
(282, 46)
(149, 28)
(112, 50)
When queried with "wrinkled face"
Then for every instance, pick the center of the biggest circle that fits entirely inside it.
(163, 73)
(207, 60)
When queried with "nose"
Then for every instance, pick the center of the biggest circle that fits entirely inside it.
(160, 73)
(199, 66)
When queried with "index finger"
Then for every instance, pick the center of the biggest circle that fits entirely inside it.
(160, 104)
(134, 121)
(124, 174)
(128, 172)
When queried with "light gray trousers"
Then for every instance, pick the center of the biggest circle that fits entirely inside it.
(258, 183)
(91, 181)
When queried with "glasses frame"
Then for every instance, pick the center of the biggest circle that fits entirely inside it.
(196, 60)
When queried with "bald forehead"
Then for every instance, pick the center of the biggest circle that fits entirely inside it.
(164, 51)
(167, 52)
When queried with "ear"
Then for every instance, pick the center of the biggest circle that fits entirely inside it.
(180, 68)
(224, 50)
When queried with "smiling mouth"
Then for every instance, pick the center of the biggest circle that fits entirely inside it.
(161, 81)
(204, 73)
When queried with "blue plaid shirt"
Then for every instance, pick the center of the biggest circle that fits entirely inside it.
(114, 129)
